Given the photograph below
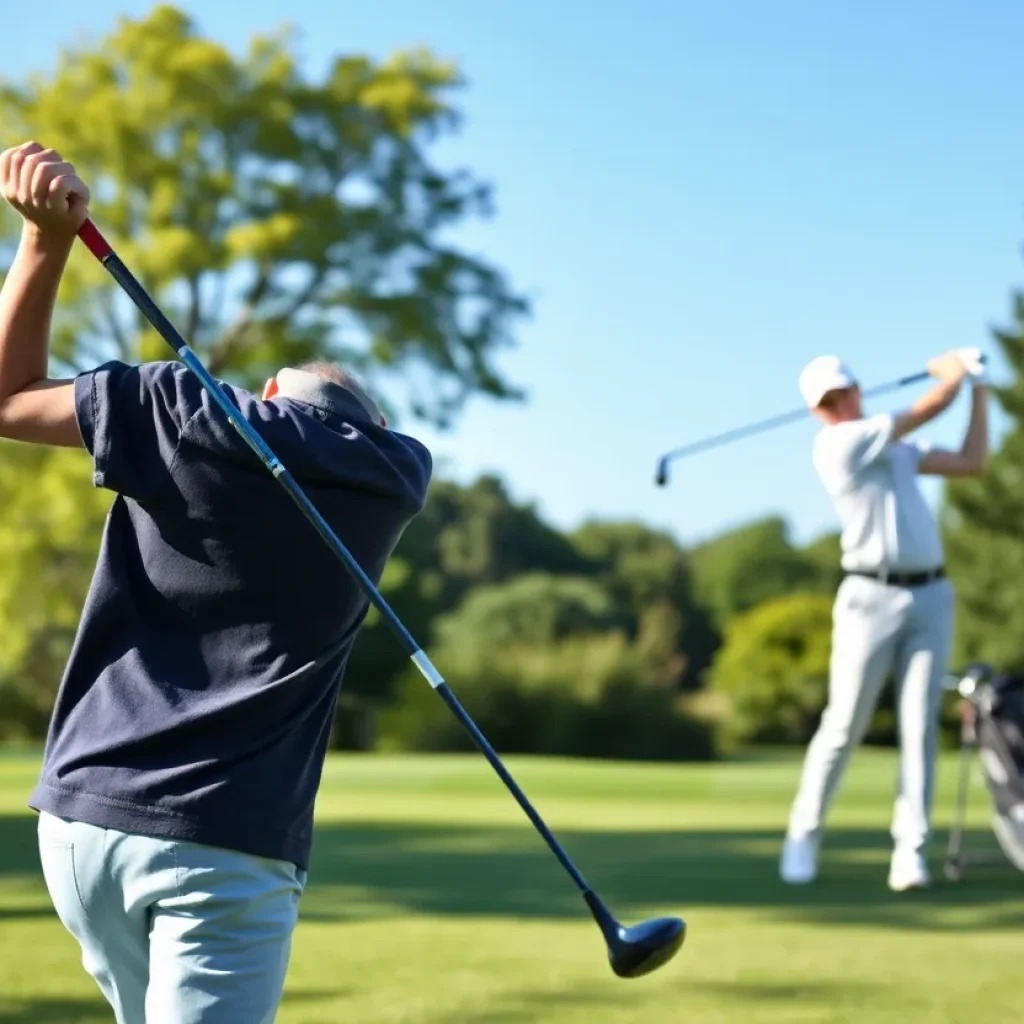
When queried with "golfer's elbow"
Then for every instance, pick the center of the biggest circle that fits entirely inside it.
(8, 418)
(972, 463)
(41, 413)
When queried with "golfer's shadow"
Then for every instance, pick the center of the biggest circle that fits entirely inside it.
(367, 870)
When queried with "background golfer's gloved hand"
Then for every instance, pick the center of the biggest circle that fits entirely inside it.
(976, 369)
(948, 367)
(45, 189)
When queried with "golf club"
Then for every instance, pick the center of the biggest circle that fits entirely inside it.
(739, 433)
(632, 952)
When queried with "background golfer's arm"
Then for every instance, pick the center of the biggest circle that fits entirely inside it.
(33, 408)
(923, 411)
(970, 459)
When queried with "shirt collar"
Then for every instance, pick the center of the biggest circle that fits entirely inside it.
(302, 386)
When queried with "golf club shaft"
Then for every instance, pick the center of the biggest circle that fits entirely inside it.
(104, 252)
(740, 433)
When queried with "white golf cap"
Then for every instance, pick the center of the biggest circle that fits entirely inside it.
(822, 375)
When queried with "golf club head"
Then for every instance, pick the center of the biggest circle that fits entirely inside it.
(662, 475)
(645, 947)
(634, 952)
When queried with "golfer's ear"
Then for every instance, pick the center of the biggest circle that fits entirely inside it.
(270, 389)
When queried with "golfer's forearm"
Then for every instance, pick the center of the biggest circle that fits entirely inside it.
(925, 409)
(26, 311)
(975, 446)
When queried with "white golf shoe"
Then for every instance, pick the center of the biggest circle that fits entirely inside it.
(799, 862)
(908, 871)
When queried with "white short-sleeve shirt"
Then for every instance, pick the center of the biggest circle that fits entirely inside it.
(873, 483)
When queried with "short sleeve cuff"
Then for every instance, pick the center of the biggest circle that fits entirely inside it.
(88, 412)
(884, 423)
(876, 437)
(921, 447)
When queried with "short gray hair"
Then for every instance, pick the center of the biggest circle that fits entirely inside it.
(337, 374)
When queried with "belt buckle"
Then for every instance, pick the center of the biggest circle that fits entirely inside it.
(883, 577)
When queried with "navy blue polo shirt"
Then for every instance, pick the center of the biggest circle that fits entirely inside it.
(198, 699)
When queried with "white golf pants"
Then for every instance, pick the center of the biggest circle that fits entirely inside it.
(879, 633)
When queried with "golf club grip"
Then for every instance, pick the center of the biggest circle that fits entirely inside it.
(104, 252)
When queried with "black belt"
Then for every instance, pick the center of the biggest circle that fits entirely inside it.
(900, 579)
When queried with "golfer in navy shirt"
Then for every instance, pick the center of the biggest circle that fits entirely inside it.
(188, 737)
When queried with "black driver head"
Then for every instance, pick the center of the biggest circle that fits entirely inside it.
(634, 952)
(645, 947)
(662, 476)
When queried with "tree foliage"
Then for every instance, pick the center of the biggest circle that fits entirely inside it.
(773, 668)
(532, 610)
(276, 217)
(466, 537)
(984, 529)
(569, 687)
(651, 580)
(824, 556)
(49, 537)
(742, 568)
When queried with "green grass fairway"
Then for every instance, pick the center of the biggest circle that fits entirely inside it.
(432, 901)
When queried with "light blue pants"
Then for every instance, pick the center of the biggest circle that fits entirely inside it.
(173, 932)
(881, 632)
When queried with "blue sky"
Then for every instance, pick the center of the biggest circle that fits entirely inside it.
(697, 198)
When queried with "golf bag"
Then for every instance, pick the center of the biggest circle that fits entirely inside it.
(992, 717)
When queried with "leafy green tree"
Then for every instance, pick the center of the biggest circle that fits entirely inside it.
(741, 569)
(542, 670)
(984, 528)
(49, 536)
(276, 217)
(772, 669)
(824, 555)
(650, 578)
(534, 609)
(466, 537)
(481, 536)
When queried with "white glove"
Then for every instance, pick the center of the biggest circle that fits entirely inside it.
(973, 364)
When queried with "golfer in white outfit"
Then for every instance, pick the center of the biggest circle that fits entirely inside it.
(893, 615)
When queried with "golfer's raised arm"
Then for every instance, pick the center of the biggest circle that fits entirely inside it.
(950, 371)
(53, 203)
(971, 458)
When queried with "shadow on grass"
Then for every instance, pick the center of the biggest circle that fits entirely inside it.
(363, 871)
(55, 1011)
(97, 1011)
(23, 913)
(370, 869)
(529, 1007)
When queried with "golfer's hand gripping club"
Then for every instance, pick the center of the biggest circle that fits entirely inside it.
(633, 951)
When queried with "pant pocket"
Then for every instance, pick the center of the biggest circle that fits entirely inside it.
(57, 857)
